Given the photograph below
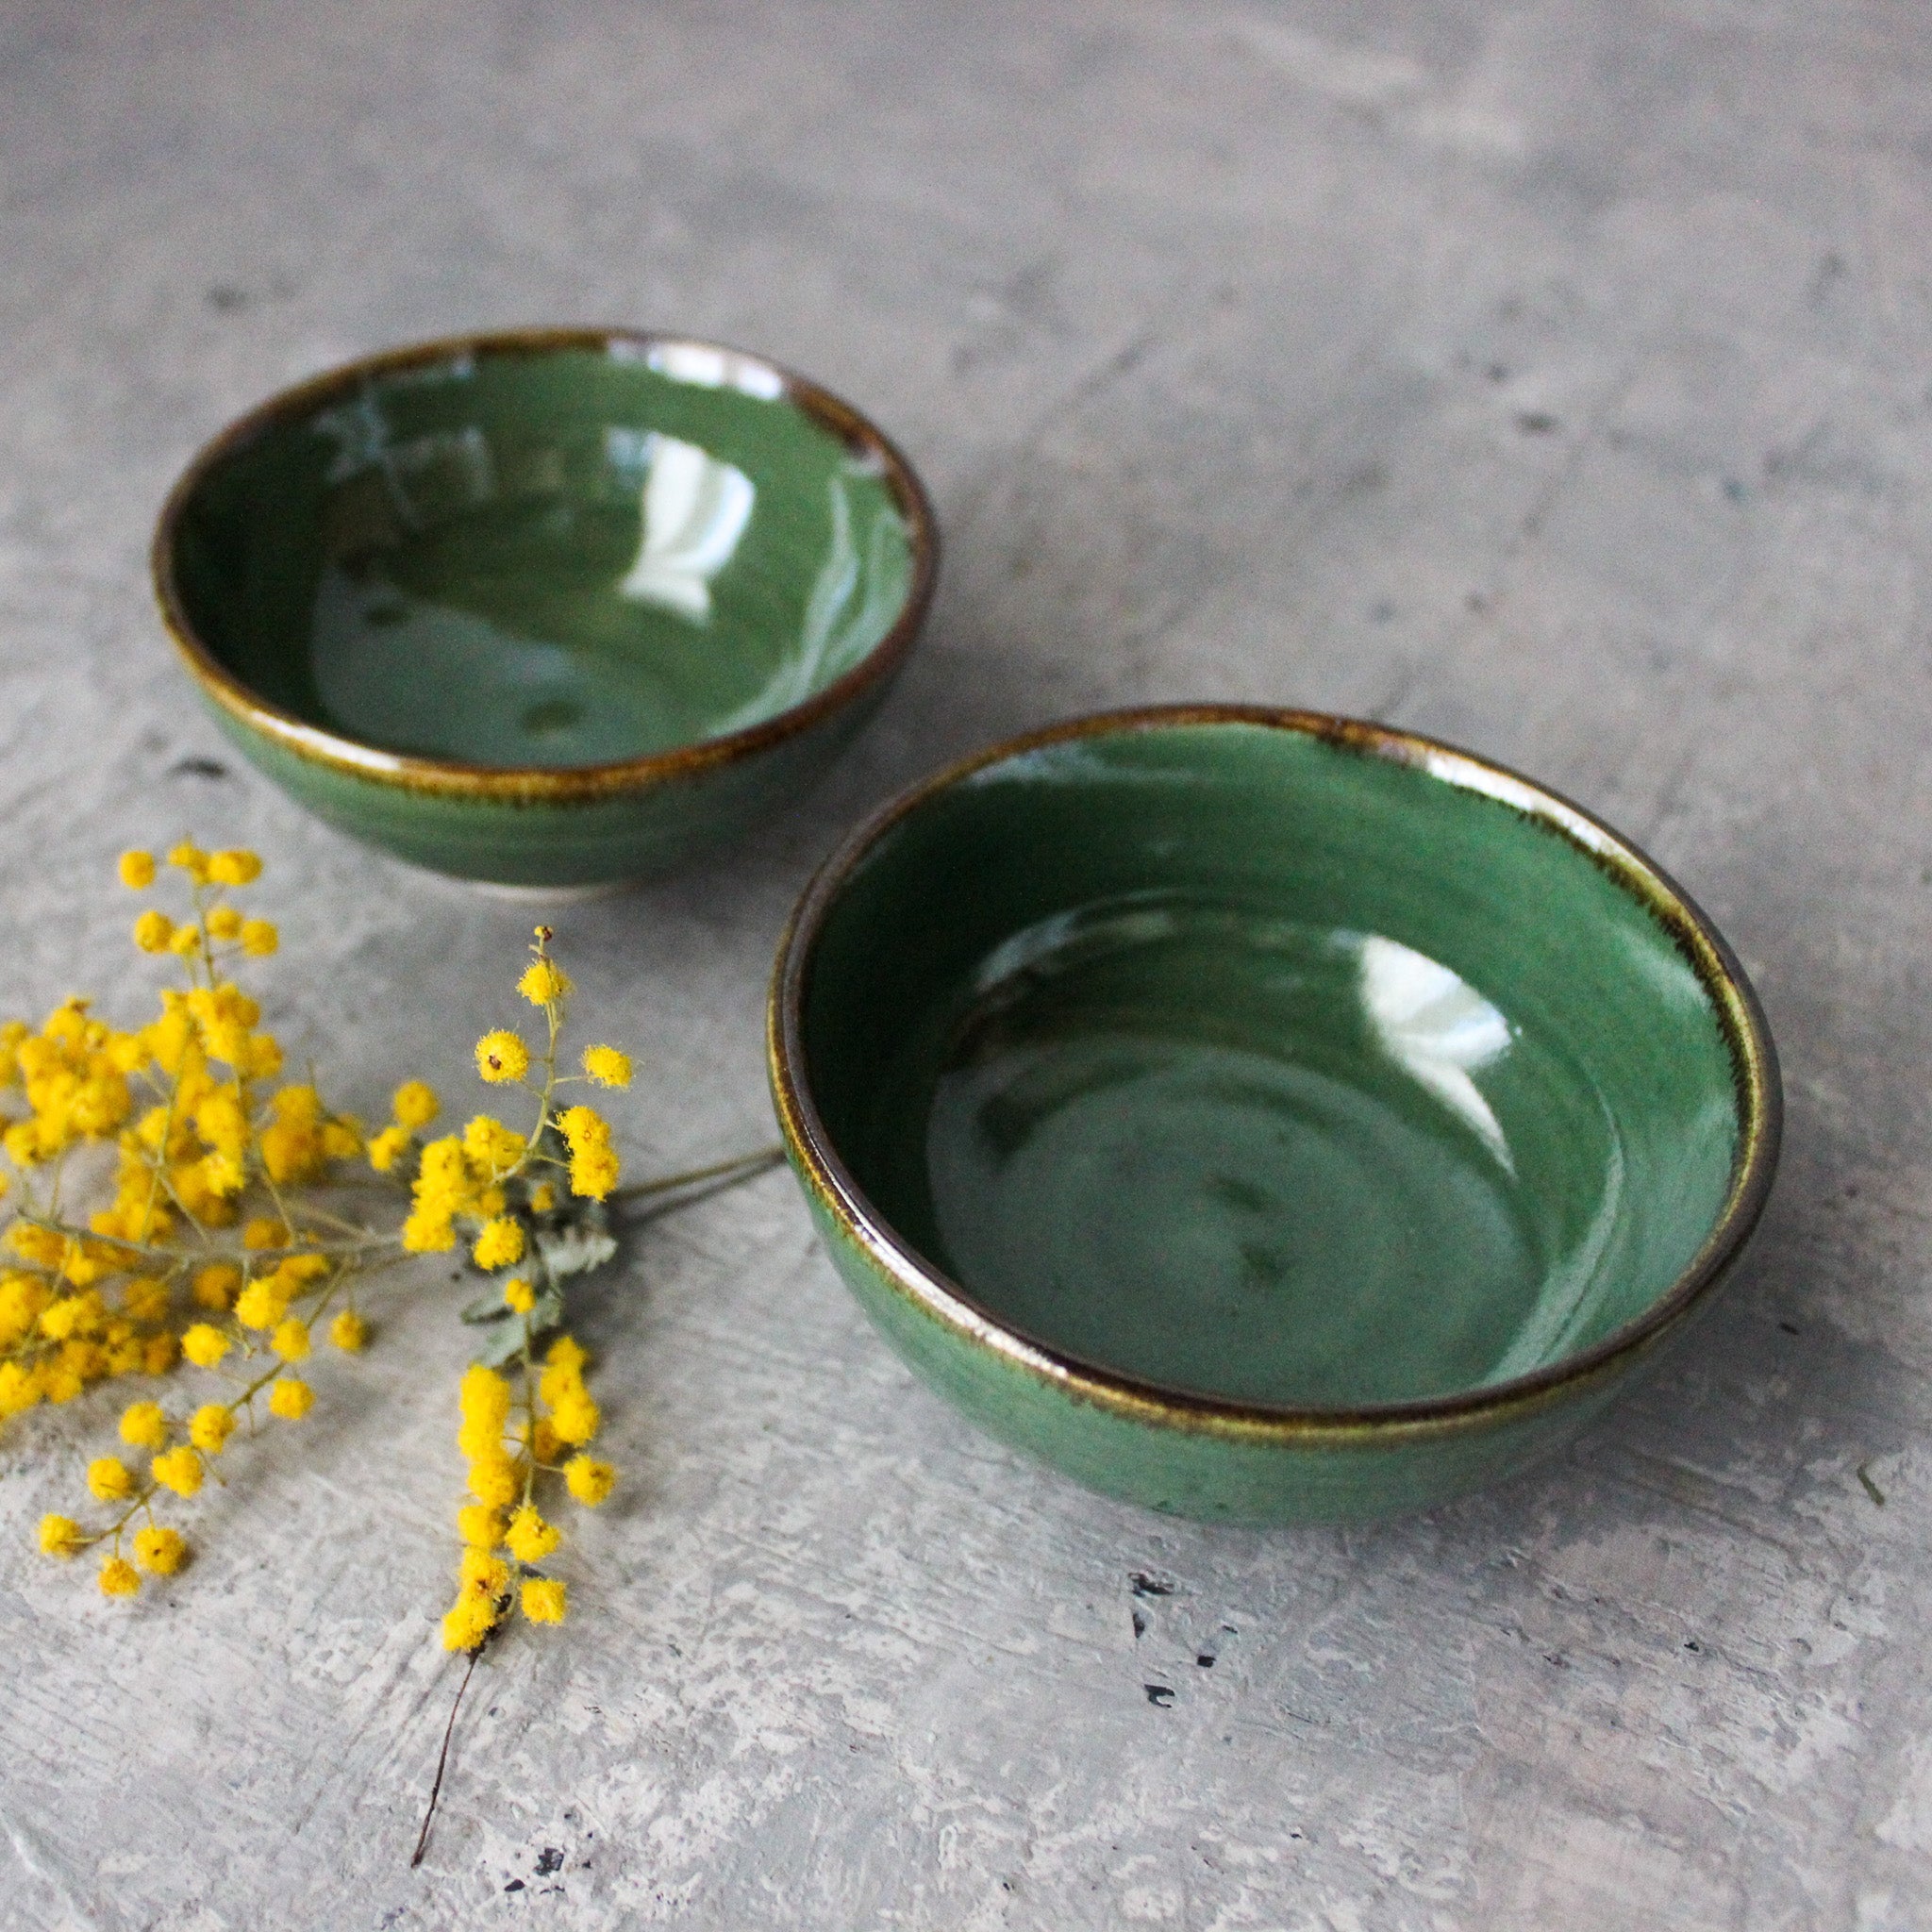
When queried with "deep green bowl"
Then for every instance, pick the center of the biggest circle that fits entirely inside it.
(1264, 1115)
(557, 607)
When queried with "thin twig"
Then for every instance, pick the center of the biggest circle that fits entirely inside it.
(750, 1165)
(443, 1756)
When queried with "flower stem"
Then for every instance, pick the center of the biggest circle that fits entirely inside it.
(742, 1167)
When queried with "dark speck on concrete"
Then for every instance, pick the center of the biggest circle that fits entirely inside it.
(515, 1884)
(548, 1861)
(1734, 490)
(197, 768)
(1206, 1659)
(1139, 1623)
(1535, 423)
(1146, 1584)
(1159, 1695)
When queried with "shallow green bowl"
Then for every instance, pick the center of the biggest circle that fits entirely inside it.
(557, 607)
(1264, 1115)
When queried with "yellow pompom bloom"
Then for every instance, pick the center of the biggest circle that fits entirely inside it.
(190, 858)
(589, 1481)
(224, 923)
(158, 1354)
(262, 1303)
(574, 1416)
(145, 1299)
(483, 1397)
(60, 1536)
(594, 1164)
(178, 1469)
(264, 1232)
(136, 869)
(388, 1147)
(518, 1296)
(494, 1481)
(501, 1056)
(161, 1550)
(59, 1382)
(209, 1427)
(480, 1527)
(500, 1243)
(493, 1145)
(64, 1318)
(39, 1244)
(259, 938)
(415, 1104)
(478, 1570)
(291, 1340)
(545, 1599)
(529, 1538)
(119, 1578)
(291, 1399)
(543, 982)
(594, 1174)
(263, 1059)
(143, 1426)
(215, 1285)
(429, 1231)
(234, 868)
(185, 940)
(349, 1331)
(584, 1126)
(607, 1066)
(204, 1346)
(473, 1619)
(152, 931)
(20, 1388)
(109, 1479)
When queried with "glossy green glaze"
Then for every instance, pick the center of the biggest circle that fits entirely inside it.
(550, 608)
(1261, 1116)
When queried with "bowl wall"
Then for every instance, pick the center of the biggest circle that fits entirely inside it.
(544, 560)
(510, 606)
(1245, 1065)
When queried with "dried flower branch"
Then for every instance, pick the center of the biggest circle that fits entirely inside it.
(225, 1241)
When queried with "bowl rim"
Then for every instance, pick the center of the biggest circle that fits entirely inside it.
(1747, 1039)
(459, 778)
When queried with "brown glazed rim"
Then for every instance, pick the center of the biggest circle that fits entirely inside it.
(1747, 1039)
(452, 778)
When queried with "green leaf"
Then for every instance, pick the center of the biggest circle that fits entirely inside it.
(488, 1308)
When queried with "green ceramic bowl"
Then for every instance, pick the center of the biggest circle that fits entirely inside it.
(550, 608)
(1264, 1115)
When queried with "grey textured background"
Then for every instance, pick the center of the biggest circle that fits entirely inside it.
(1552, 378)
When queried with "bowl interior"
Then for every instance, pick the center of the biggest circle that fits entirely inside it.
(1243, 1062)
(545, 554)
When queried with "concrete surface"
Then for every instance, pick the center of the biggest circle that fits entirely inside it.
(1556, 377)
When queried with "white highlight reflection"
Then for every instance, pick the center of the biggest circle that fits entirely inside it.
(1437, 1027)
(708, 368)
(695, 510)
